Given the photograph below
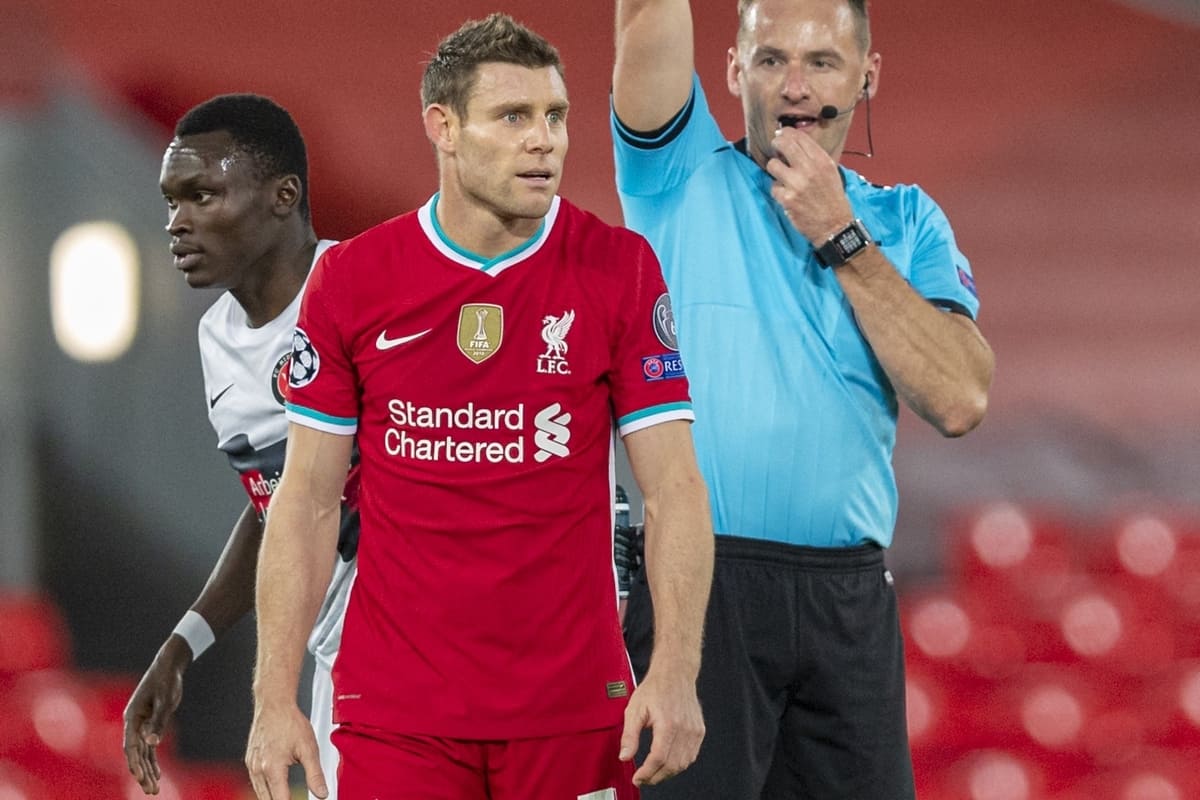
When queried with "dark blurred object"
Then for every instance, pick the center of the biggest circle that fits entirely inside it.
(626, 550)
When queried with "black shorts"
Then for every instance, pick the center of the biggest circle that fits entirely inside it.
(802, 677)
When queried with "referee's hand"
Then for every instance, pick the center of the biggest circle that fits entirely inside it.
(279, 737)
(666, 703)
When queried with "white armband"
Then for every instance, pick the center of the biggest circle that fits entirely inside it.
(195, 630)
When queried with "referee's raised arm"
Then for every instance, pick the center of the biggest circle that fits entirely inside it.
(652, 74)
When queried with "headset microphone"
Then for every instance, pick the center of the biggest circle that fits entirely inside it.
(833, 112)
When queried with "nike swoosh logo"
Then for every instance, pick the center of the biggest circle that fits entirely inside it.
(213, 400)
(384, 343)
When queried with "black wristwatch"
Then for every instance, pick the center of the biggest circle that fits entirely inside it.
(843, 245)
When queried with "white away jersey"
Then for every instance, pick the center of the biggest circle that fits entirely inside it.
(245, 377)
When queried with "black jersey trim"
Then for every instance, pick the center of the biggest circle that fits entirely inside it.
(952, 306)
(659, 137)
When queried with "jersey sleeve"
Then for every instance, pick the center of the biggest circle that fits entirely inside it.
(939, 270)
(204, 339)
(648, 382)
(650, 163)
(322, 390)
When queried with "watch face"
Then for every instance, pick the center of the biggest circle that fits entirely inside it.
(850, 240)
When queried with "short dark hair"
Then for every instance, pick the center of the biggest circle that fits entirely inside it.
(260, 127)
(450, 74)
(861, 18)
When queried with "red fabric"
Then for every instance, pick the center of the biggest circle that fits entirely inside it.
(485, 602)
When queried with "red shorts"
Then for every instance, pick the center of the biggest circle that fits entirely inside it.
(380, 765)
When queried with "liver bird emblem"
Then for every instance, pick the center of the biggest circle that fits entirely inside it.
(554, 333)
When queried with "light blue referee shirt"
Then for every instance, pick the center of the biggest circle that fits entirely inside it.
(795, 419)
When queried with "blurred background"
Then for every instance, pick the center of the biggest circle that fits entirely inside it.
(1048, 563)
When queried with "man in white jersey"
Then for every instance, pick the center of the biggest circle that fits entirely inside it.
(234, 179)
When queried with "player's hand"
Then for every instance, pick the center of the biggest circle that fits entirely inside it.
(279, 737)
(150, 708)
(808, 186)
(666, 703)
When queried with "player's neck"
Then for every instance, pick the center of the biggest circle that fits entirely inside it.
(273, 283)
(479, 229)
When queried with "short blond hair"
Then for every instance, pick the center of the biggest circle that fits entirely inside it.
(861, 19)
(450, 74)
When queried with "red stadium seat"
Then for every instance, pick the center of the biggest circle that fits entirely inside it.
(1141, 543)
(937, 626)
(66, 715)
(1175, 698)
(33, 634)
(1182, 582)
(65, 729)
(992, 775)
(17, 783)
(1139, 553)
(46, 713)
(214, 782)
(944, 715)
(1013, 554)
(1060, 662)
(1157, 776)
(1104, 627)
(962, 633)
(72, 780)
(1157, 555)
(1050, 715)
(1052, 712)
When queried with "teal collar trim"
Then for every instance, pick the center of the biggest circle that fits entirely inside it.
(484, 264)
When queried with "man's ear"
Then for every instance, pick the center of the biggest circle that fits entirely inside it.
(441, 126)
(289, 191)
(733, 71)
(871, 79)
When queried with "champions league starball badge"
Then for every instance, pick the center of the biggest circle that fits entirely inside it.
(305, 361)
(664, 322)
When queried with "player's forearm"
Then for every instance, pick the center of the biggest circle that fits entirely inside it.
(294, 569)
(652, 73)
(228, 595)
(175, 655)
(938, 362)
(679, 566)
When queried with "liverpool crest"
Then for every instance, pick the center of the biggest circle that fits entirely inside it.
(554, 334)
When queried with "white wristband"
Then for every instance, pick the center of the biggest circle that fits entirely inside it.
(195, 630)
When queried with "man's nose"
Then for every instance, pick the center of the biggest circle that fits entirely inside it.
(177, 221)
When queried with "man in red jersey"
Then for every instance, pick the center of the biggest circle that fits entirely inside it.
(483, 348)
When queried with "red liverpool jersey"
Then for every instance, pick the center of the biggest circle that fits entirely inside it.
(484, 395)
